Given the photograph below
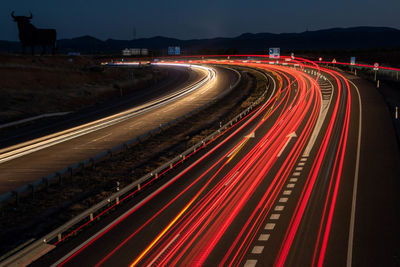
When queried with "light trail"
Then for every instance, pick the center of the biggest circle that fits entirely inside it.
(251, 169)
(227, 204)
(22, 149)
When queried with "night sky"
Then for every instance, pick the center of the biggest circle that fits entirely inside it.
(194, 19)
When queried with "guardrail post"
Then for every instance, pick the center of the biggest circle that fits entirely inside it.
(91, 216)
(138, 187)
(170, 165)
(117, 200)
(59, 237)
(156, 175)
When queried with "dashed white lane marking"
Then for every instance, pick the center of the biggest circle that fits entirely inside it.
(275, 216)
(250, 263)
(287, 192)
(263, 237)
(257, 249)
(283, 199)
(269, 226)
(279, 208)
(290, 185)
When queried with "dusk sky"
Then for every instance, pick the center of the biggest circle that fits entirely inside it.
(194, 19)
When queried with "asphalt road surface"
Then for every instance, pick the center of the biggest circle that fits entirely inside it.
(306, 179)
(28, 161)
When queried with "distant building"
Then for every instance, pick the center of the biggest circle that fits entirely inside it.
(144, 52)
(135, 52)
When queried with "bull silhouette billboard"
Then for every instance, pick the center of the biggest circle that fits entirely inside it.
(31, 36)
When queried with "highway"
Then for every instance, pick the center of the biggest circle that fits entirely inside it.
(30, 160)
(294, 183)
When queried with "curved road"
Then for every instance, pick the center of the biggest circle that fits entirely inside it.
(28, 161)
(282, 187)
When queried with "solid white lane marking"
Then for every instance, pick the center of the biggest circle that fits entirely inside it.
(250, 263)
(301, 164)
(353, 203)
(263, 237)
(287, 192)
(283, 199)
(293, 180)
(299, 168)
(279, 208)
(257, 250)
(231, 179)
(320, 121)
(296, 174)
(290, 186)
(275, 216)
(269, 226)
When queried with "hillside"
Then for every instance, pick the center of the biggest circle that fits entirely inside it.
(330, 39)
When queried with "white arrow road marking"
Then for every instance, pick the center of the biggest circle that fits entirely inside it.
(290, 136)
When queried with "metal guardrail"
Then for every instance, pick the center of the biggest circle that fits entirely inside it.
(115, 198)
(47, 115)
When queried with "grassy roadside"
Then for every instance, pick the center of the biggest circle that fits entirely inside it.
(47, 210)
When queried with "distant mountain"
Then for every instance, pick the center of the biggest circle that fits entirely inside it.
(330, 39)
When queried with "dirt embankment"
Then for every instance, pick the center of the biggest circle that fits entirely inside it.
(32, 85)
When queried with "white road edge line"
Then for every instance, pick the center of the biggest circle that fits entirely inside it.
(233, 176)
(353, 204)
